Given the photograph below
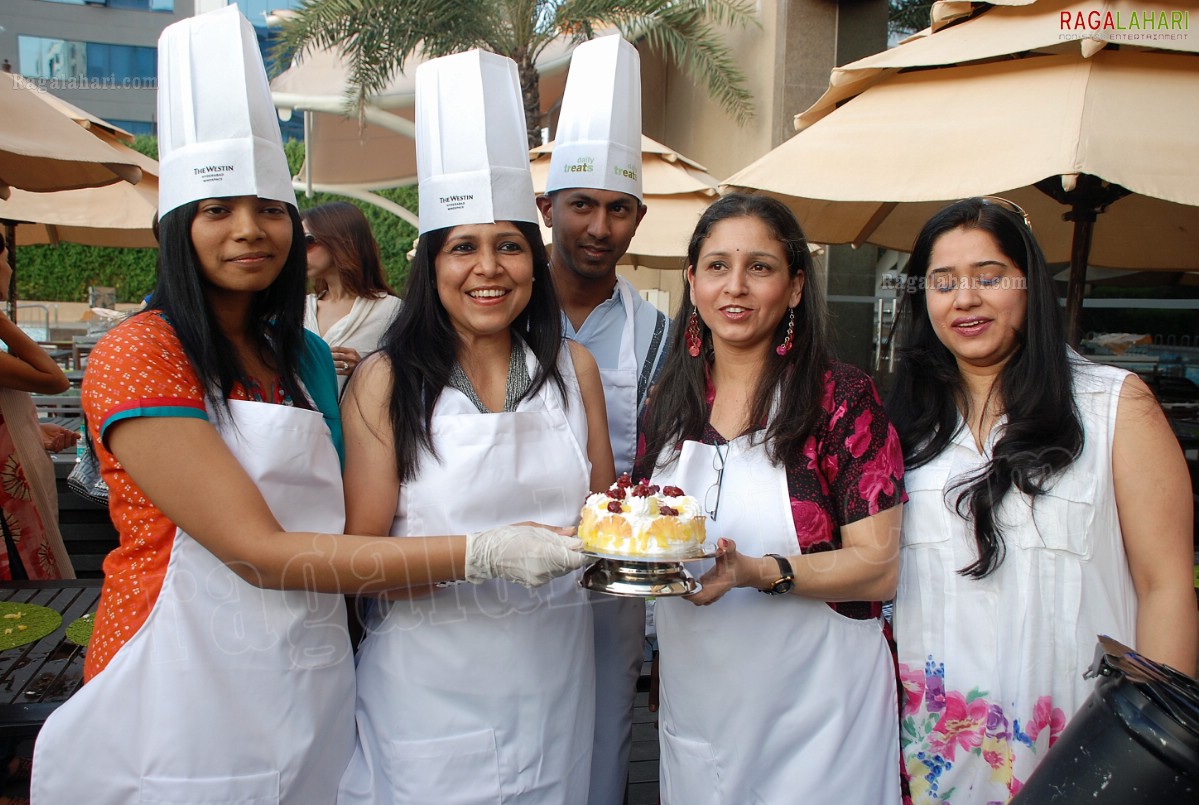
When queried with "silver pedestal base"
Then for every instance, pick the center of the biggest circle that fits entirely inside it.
(638, 579)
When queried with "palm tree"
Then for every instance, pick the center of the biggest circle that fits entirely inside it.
(906, 17)
(377, 36)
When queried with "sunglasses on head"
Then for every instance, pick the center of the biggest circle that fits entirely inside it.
(1010, 206)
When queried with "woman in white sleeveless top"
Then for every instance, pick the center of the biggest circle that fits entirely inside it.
(473, 414)
(1043, 511)
(351, 303)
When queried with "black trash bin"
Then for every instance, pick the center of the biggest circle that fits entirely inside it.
(1135, 739)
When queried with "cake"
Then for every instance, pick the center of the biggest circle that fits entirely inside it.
(642, 521)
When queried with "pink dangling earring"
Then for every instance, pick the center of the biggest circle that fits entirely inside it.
(788, 339)
(695, 338)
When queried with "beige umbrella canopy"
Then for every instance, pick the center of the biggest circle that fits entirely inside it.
(119, 214)
(1000, 104)
(42, 151)
(677, 191)
(353, 158)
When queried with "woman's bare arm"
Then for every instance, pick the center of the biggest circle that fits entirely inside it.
(1153, 498)
(212, 498)
(599, 446)
(26, 366)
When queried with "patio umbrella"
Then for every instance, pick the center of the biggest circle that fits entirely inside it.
(42, 151)
(1000, 104)
(119, 214)
(343, 155)
(677, 191)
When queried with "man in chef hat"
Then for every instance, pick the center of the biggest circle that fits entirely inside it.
(593, 203)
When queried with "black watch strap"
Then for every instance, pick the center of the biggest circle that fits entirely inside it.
(786, 576)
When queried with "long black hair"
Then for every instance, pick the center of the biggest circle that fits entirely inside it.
(276, 314)
(422, 344)
(679, 409)
(1043, 434)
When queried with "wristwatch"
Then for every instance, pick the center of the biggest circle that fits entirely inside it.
(786, 577)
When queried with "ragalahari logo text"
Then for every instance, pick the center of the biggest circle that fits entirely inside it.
(1124, 25)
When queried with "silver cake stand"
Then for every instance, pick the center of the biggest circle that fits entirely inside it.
(641, 578)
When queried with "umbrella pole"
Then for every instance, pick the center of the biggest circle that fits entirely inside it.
(1080, 248)
(1087, 196)
(10, 231)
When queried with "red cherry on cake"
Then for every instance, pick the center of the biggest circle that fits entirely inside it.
(653, 489)
(614, 507)
(640, 491)
(672, 492)
(616, 493)
(624, 481)
(668, 511)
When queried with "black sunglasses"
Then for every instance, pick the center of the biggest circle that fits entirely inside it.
(310, 240)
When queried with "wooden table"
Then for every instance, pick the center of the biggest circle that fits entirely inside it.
(37, 677)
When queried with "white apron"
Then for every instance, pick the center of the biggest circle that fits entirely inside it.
(769, 700)
(228, 693)
(619, 622)
(483, 693)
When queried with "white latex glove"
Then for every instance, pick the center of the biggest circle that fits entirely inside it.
(526, 554)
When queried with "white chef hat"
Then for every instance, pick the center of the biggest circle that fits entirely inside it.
(217, 130)
(598, 144)
(472, 146)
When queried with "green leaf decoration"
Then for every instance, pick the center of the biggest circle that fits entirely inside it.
(24, 623)
(79, 631)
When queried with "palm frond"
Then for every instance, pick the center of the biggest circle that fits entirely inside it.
(684, 31)
(378, 36)
(685, 35)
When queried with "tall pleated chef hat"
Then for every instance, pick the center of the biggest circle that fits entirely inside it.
(217, 130)
(472, 148)
(598, 143)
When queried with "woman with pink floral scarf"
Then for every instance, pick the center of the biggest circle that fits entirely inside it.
(783, 690)
(33, 547)
(1048, 504)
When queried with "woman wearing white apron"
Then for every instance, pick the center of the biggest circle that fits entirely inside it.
(473, 413)
(1044, 511)
(476, 694)
(219, 669)
(780, 697)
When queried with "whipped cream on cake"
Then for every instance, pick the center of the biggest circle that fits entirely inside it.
(642, 520)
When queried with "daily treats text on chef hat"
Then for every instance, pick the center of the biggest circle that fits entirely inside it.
(472, 152)
(598, 142)
(218, 134)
